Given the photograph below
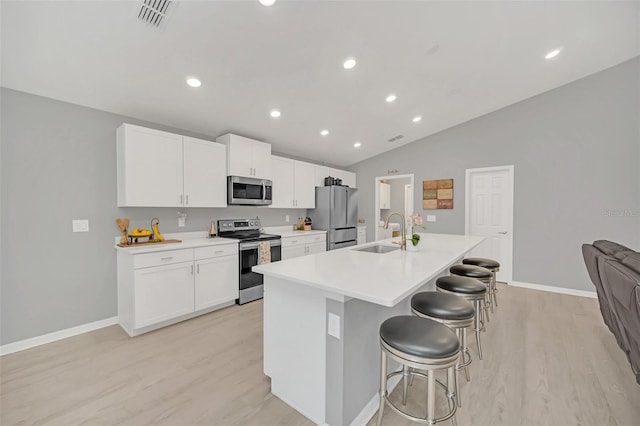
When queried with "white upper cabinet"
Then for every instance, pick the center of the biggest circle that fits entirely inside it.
(149, 167)
(282, 177)
(247, 157)
(321, 172)
(205, 173)
(304, 185)
(293, 183)
(161, 169)
(385, 195)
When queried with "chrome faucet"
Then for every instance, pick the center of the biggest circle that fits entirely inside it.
(403, 235)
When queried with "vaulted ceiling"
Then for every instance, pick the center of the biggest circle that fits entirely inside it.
(447, 62)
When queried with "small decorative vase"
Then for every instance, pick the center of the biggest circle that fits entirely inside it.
(411, 247)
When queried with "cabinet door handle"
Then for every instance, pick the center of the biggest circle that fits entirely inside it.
(191, 269)
(162, 259)
(198, 268)
(187, 201)
(218, 251)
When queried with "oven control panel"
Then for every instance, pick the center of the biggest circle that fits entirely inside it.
(238, 225)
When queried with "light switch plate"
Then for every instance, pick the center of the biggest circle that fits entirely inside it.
(431, 218)
(182, 220)
(333, 326)
(80, 225)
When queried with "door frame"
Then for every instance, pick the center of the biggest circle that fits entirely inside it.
(376, 222)
(467, 204)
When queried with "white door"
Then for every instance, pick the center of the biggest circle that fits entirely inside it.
(205, 173)
(489, 213)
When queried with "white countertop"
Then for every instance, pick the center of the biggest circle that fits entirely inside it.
(384, 279)
(287, 231)
(189, 240)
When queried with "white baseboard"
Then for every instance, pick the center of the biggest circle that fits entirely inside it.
(56, 335)
(372, 406)
(561, 290)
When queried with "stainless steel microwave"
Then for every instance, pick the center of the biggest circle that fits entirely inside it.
(244, 191)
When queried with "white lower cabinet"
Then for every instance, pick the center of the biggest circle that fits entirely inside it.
(162, 293)
(302, 245)
(362, 234)
(216, 281)
(161, 288)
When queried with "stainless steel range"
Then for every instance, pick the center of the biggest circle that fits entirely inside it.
(252, 242)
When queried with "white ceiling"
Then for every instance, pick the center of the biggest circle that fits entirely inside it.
(447, 61)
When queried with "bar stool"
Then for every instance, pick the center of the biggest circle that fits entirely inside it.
(481, 274)
(472, 290)
(491, 265)
(418, 344)
(452, 311)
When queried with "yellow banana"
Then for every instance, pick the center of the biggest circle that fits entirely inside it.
(156, 232)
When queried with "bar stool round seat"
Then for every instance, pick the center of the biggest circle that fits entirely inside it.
(422, 346)
(489, 264)
(453, 311)
(416, 337)
(472, 290)
(471, 271)
(464, 285)
(493, 266)
(442, 305)
(480, 273)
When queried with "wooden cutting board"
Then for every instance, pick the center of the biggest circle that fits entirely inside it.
(150, 243)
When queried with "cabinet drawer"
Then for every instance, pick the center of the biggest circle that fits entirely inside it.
(216, 251)
(316, 238)
(162, 258)
(294, 241)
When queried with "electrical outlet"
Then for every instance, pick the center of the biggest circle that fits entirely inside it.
(333, 326)
(431, 218)
(182, 219)
(80, 225)
(286, 218)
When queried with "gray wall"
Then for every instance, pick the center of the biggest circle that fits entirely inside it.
(58, 163)
(577, 178)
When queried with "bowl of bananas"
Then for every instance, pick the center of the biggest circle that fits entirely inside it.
(138, 235)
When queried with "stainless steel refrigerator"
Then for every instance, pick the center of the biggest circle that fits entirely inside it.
(337, 213)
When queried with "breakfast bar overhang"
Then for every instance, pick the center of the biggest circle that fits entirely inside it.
(322, 314)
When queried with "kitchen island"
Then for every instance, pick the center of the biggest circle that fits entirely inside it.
(321, 318)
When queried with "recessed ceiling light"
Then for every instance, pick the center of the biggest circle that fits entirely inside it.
(357, 145)
(194, 82)
(391, 98)
(416, 119)
(349, 63)
(553, 53)
(324, 132)
(275, 113)
(267, 2)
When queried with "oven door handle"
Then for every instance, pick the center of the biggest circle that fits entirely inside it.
(254, 244)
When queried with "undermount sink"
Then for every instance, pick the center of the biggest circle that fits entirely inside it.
(378, 249)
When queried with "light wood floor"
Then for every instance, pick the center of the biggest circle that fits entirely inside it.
(549, 360)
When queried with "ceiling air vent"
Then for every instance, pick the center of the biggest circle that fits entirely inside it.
(395, 138)
(152, 12)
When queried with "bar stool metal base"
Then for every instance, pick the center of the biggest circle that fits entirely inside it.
(460, 327)
(410, 364)
(478, 320)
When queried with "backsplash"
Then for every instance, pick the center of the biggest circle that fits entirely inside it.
(198, 219)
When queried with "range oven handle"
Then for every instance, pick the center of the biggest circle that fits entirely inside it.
(254, 244)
